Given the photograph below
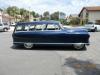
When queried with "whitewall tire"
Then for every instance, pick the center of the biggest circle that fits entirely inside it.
(5, 29)
(28, 45)
(79, 46)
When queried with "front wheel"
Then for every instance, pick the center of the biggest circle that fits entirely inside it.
(79, 46)
(28, 45)
(5, 29)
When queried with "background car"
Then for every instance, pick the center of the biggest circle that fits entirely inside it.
(91, 26)
(4, 27)
(12, 26)
(48, 32)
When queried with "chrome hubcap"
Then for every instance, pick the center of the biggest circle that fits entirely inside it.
(28, 45)
(5, 30)
(78, 46)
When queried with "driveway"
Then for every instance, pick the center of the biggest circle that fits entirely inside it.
(86, 62)
(19, 61)
(49, 60)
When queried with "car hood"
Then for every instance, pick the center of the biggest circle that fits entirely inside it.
(78, 30)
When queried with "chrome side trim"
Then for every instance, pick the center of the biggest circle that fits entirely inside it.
(53, 43)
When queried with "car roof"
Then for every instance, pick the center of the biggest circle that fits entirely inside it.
(38, 22)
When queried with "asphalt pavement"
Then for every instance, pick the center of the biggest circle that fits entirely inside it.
(19, 61)
(49, 60)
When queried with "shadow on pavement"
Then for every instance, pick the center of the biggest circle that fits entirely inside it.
(48, 48)
(83, 67)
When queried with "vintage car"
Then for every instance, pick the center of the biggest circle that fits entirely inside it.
(29, 34)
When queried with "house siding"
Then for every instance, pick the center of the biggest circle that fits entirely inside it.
(94, 16)
(84, 13)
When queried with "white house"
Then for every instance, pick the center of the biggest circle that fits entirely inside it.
(90, 14)
(0, 16)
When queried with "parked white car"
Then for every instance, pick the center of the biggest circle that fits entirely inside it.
(90, 26)
(4, 27)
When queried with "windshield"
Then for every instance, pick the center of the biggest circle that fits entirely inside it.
(90, 23)
(5, 23)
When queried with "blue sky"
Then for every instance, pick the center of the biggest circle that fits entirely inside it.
(66, 6)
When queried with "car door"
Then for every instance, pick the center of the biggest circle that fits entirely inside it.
(51, 34)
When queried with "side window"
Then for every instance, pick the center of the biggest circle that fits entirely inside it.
(26, 28)
(39, 27)
(32, 27)
(19, 28)
(52, 27)
(0, 24)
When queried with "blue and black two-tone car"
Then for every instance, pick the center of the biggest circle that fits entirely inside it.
(29, 34)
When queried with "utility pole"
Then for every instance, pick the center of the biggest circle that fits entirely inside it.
(29, 14)
(1, 16)
(59, 15)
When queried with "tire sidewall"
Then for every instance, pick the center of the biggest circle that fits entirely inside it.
(5, 29)
(28, 45)
(82, 47)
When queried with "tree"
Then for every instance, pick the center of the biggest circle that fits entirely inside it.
(63, 21)
(36, 15)
(24, 14)
(75, 21)
(33, 13)
(13, 11)
(55, 16)
(46, 15)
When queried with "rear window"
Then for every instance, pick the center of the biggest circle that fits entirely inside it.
(0, 24)
(90, 23)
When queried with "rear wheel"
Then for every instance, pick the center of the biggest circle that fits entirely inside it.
(79, 46)
(95, 29)
(28, 45)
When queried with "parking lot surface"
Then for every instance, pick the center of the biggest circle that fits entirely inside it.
(49, 60)
(19, 61)
(86, 62)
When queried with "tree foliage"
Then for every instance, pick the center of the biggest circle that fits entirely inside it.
(24, 14)
(33, 13)
(13, 11)
(46, 15)
(75, 21)
(55, 16)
